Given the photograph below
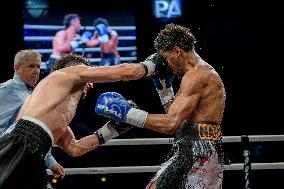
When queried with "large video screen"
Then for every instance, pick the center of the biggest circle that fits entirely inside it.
(40, 27)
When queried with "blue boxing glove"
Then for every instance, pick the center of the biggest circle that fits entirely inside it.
(165, 89)
(81, 40)
(101, 29)
(113, 128)
(103, 33)
(87, 36)
(116, 107)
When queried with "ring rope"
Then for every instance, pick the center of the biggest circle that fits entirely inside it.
(50, 38)
(56, 27)
(94, 49)
(158, 141)
(150, 169)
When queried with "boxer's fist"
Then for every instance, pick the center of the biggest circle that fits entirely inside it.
(102, 30)
(156, 58)
(157, 66)
(116, 107)
(113, 129)
(162, 68)
(80, 40)
(123, 127)
(87, 36)
(113, 106)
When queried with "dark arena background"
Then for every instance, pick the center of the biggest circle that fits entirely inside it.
(242, 40)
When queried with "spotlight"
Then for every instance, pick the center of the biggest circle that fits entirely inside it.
(54, 180)
(103, 179)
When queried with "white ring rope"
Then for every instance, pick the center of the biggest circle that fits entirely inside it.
(123, 59)
(50, 38)
(265, 138)
(95, 49)
(54, 27)
(139, 141)
(159, 141)
(150, 169)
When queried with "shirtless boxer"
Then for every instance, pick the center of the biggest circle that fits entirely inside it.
(45, 115)
(67, 40)
(193, 115)
(108, 40)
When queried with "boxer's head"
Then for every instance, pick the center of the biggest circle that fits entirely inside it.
(72, 20)
(175, 35)
(69, 60)
(171, 42)
(27, 66)
(73, 60)
(100, 21)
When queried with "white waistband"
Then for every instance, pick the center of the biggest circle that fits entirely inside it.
(42, 125)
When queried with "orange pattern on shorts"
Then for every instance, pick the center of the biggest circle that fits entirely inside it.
(209, 131)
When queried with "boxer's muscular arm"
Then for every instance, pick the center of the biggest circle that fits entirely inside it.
(121, 72)
(60, 42)
(113, 42)
(167, 106)
(79, 147)
(181, 108)
(93, 42)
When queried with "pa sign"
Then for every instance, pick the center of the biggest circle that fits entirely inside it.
(167, 8)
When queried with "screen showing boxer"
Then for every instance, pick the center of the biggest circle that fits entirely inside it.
(105, 38)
